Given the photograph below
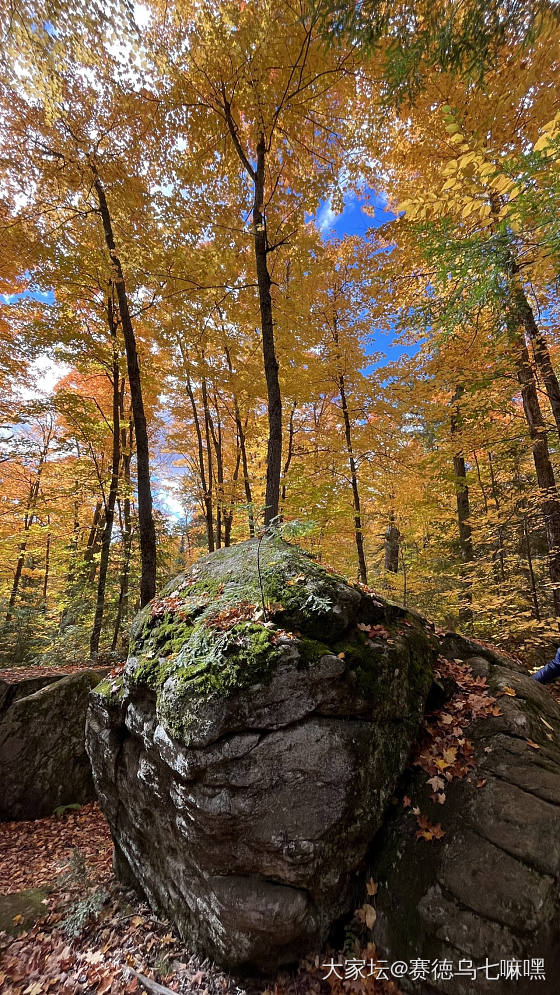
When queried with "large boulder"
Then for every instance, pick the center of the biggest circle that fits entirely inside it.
(245, 758)
(43, 762)
(476, 878)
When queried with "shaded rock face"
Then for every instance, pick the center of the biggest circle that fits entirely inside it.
(490, 888)
(244, 760)
(43, 762)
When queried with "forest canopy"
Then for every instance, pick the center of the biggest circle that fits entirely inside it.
(281, 266)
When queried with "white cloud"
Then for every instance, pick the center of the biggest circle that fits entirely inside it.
(325, 216)
(45, 374)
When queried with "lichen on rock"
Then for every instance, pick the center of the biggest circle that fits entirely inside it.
(265, 713)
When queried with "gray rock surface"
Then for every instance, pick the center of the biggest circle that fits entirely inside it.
(490, 888)
(244, 760)
(43, 762)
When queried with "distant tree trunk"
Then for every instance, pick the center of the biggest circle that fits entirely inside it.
(290, 452)
(113, 487)
(463, 519)
(501, 549)
(532, 584)
(47, 563)
(126, 450)
(209, 464)
(73, 544)
(206, 489)
(95, 549)
(33, 497)
(242, 443)
(358, 529)
(145, 513)
(228, 515)
(392, 546)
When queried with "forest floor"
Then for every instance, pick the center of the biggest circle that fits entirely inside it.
(71, 928)
(95, 937)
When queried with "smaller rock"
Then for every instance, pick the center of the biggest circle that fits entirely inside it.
(43, 762)
(20, 911)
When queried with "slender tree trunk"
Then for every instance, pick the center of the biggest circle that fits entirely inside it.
(274, 449)
(539, 344)
(392, 546)
(463, 520)
(290, 452)
(243, 446)
(73, 545)
(228, 516)
(501, 547)
(113, 489)
(47, 564)
(209, 463)
(145, 513)
(550, 502)
(358, 531)
(95, 549)
(206, 489)
(211, 434)
(532, 584)
(274, 397)
(126, 450)
(93, 533)
(33, 497)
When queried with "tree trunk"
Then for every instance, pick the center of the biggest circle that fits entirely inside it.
(550, 502)
(206, 489)
(126, 450)
(274, 449)
(242, 443)
(34, 490)
(392, 546)
(358, 532)
(209, 463)
(290, 452)
(113, 488)
(463, 516)
(47, 564)
(145, 513)
(539, 344)
(501, 548)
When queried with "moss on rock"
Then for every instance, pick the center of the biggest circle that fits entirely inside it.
(210, 633)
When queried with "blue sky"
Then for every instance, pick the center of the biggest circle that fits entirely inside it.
(354, 220)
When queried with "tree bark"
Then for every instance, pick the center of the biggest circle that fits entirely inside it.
(392, 546)
(113, 488)
(274, 397)
(145, 511)
(550, 502)
(538, 342)
(206, 488)
(274, 448)
(463, 516)
(242, 443)
(290, 452)
(126, 450)
(358, 531)
(34, 490)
